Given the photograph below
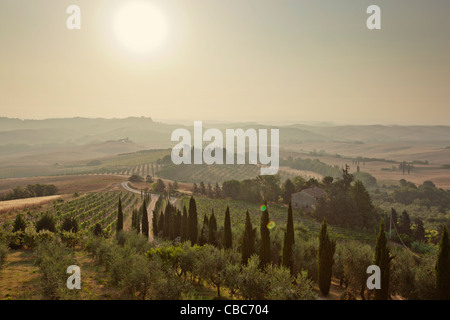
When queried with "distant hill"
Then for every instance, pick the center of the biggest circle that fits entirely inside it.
(16, 134)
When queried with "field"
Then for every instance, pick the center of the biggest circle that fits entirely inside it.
(46, 165)
(386, 168)
(66, 184)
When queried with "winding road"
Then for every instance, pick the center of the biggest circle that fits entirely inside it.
(150, 207)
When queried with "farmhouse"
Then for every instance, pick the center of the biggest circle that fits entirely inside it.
(307, 198)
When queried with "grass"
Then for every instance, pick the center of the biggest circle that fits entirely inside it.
(19, 279)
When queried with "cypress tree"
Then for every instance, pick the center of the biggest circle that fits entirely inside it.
(405, 224)
(288, 259)
(265, 254)
(419, 232)
(212, 230)
(167, 218)
(442, 267)
(227, 236)
(133, 220)
(192, 221)
(203, 239)
(172, 225)
(178, 224)
(119, 226)
(155, 223)
(325, 259)
(394, 217)
(145, 230)
(184, 225)
(161, 224)
(248, 240)
(138, 222)
(382, 259)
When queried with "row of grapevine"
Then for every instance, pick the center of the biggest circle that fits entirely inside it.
(98, 207)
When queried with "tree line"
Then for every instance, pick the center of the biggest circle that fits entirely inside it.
(30, 191)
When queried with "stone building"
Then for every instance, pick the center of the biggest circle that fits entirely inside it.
(307, 198)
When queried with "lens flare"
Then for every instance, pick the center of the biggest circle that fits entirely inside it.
(263, 208)
(271, 225)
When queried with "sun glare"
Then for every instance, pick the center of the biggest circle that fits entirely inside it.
(140, 27)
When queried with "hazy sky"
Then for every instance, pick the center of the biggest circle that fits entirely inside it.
(237, 60)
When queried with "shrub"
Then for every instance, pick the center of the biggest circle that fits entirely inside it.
(30, 238)
(253, 283)
(135, 178)
(166, 285)
(98, 230)
(19, 223)
(356, 257)
(422, 247)
(15, 239)
(305, 256)
(70, 239)
(305, 286)
(136, 282)
(70, 224)
(53, 258)
(46, 222)
(3, 254)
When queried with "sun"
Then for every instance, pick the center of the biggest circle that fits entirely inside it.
(140, 27)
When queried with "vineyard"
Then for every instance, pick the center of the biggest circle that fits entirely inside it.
(215, 173)
(277, 214)
(96, 208)
(142, 162)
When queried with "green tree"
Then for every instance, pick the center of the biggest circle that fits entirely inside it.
(195, 189)
(145, 227)
(248, 240)
(159, 186)
(394, 217)
(405, 224)
(138, 222)
(46, 222)
(184, 225)
(192, 223)
(217, 191)
(231, 188)
(364, 209)
(70, 224)
(325, 259)
(419, 231)
(288, 260)
(161, 224)
(287, 190)
(227, 236)
(202, 188)
(442, 267)
(203, 239)
(212, 230)
(119, 226)
(19, 223)
(98, 230)
(155, 223)
(265, 253)
(177, 226)
(382, 259)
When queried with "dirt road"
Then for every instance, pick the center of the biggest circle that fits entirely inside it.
(150, 206)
